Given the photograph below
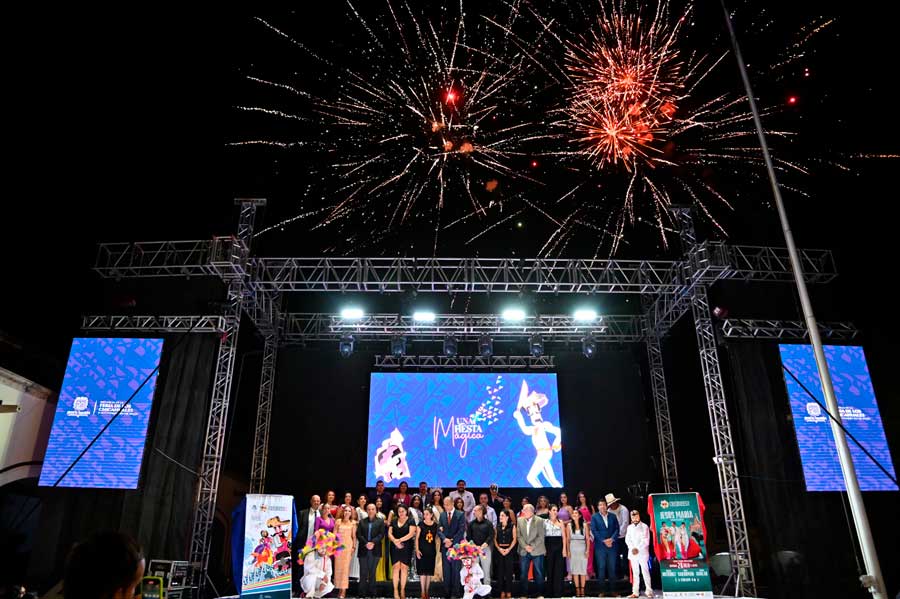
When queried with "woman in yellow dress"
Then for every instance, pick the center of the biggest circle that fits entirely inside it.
(383, 571)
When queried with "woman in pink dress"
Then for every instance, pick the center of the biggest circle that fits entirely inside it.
(324, 519)
(402, 496)
(586, 511)
(346, 529)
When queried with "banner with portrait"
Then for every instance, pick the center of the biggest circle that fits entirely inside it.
(267, 547)
(679, 540)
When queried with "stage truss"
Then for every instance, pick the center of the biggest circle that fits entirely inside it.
(669, 289)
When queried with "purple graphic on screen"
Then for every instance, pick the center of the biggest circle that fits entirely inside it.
(101, 375)
(440, 427)
(859, 412)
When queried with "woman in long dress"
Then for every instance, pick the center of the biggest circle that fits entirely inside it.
(437, 509)
(556, 540)
(578, 551)
(426, 550)
(346, 528)
(383, 571)
(505, 552)
(586, 512)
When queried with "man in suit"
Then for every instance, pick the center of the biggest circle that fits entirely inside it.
(306, 523)
(530, 535)
(369, 534)
(451, 530)
(605, 529)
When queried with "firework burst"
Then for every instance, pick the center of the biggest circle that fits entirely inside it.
(427, 125)
(644, 121)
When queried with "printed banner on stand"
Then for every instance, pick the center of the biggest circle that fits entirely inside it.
(679, 539)
(267, 547)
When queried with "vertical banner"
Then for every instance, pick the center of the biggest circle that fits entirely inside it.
(267, 547)
(679, 539)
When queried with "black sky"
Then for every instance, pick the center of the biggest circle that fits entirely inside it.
(116, 125)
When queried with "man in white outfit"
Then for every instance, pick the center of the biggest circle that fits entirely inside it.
(637, 538)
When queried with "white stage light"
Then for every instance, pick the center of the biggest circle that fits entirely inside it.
(514, 314)
(585, 315)
(352, 313)
(424, 316)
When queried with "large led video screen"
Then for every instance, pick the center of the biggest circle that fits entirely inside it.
(101, 375)
(859, 412)
(481, 427)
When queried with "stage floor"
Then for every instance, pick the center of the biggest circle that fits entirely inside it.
(385, 591)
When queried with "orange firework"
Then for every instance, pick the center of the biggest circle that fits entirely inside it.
(626, 82)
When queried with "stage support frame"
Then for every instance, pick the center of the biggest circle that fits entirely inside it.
(668, 464)
(742, 574)
(264, 415)
(217, 422)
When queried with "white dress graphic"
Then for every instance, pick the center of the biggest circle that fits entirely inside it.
(532, 403)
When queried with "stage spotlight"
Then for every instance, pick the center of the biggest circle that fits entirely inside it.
(485, 346)
(585, 315)
(514, 314)
(589, 346)
(720, 312)
(346, 345)
(424, 316)
(536, 345)
(450, 346)
(398, 345)
(352, 313)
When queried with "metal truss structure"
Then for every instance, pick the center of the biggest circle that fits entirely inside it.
(465, 362)
(669, 289)
(264, 415)
(216, 426)
(788, 330)
(306, 327)
(657, 373)
(723, 443)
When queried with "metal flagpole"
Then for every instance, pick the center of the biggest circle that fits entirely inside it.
(872, 579)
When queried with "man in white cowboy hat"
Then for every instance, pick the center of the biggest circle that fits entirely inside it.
(624, 517)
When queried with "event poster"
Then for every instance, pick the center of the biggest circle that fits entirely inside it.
(859, 413)
(679, 540)
(482, 427)
(102, 374)
(267, 547)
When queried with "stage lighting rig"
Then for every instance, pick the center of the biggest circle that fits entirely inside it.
(536, 345)
(485, 346)
(451, 347)
(346, 345)
(589, 346)
(398, 345)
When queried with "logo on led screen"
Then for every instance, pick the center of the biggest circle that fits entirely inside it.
(79, 407)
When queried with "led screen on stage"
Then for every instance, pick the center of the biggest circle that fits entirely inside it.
(859, 412)
(101, 375)
(482, 427)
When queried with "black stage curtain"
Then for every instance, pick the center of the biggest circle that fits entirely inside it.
(159, 512)
(805, 546)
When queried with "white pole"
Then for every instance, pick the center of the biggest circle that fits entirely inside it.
(872, 579)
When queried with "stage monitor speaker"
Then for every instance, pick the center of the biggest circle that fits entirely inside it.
(175, 574)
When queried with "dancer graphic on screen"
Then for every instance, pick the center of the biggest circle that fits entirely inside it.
(390, 459)
(532, 403)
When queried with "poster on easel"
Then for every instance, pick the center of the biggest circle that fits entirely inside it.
(679, 540)
(267, 547)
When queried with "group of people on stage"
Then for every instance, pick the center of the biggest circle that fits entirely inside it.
(387, 536)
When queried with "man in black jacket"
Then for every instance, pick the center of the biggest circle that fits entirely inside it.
(369, 534)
